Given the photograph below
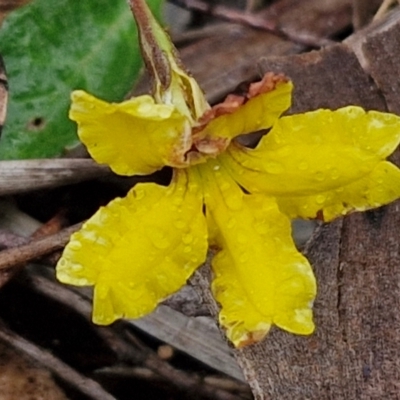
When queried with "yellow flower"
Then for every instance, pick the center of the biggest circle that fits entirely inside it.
(138, 250)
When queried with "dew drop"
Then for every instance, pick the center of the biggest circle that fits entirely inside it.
(75, 245)
(261, 228)
(225, 186)
(274, 168)
(76, 267)
(244, 257)
(187, 249)
(320, 199)
(303, 166)
(177, 200)
(82, 282)
(335, 174)
(216, 167)
(319, 176)
(139, 193)
(179, 223)
(245, 163)
(241, 238)
(234, 200)
(194, 259)
(193, 186)
(186, 239)
(160, 240)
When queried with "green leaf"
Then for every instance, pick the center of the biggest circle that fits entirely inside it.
(52, 47)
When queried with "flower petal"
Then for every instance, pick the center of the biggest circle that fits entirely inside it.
(135, 137)
(260, 112)
(324, 161)
(260, 277)
(381, 186)
(139, 249)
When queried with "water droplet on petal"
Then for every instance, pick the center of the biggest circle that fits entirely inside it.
(62, 262)
(319, 176)
(177, 200)
(261, 228)
(320, 199)
(186, 239)
(76, 267)
(225, 186)
(335, 174)
(303, 166)
(159, 239)
(139, 193)
(187, 249)
(234, 199)
(274, 168)
(74, 245)
(179, 223)
(241, 238)
(216, 167)
(195, 260)
(193, 186)
(244, 257)
(82, 282)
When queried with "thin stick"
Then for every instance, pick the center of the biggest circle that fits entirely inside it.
(35, 249)
(139, 353)
(21, 176)
(383, 9)
(85, 385)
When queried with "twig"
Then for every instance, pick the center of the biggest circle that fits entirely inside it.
(35, 249)
(383, 9)
(85, 385)
(253, 20)
(9, 239)
(27, 175)
(138, 354)
(123, 371)
(191, 384)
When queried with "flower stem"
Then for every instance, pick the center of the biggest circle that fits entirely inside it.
(151, 36)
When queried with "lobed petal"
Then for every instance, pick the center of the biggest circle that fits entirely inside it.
(323, 162)
(381, 186)
(139, 249)
(260, 278)
(135, 137)
(259, 112)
